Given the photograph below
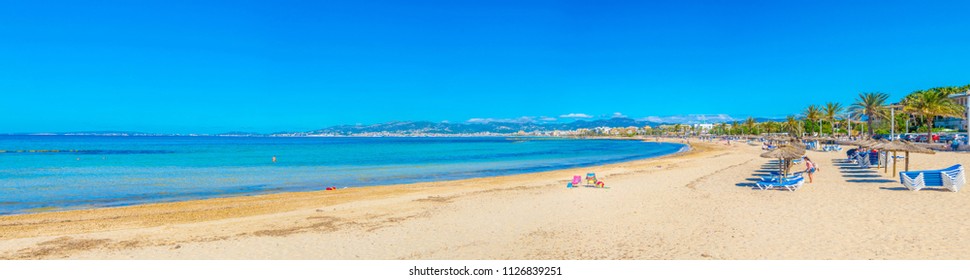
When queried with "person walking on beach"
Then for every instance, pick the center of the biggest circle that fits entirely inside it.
(810, 169)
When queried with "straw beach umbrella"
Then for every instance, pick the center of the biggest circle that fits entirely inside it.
(787, 140)
(903, 146)
(868, 143)
(797, 144)
(846, 142)
(784, 155)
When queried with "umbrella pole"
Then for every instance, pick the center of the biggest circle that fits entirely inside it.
(907, 161)
(886, 166)
(894, 164)
(788, 167)
(878, 162)
(781, 166)
(785, 173)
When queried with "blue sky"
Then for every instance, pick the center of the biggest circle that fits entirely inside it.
(265, 66)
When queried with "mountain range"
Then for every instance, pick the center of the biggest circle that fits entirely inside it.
(425, 127)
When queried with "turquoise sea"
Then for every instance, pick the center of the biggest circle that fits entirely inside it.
(44, 173)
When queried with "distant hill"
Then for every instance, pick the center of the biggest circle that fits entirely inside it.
(424, 127)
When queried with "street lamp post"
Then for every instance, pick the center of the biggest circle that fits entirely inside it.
(848, 122)
(892, 123)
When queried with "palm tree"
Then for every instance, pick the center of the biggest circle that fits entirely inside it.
(764, 127)
(872, 105)
(792, 126)
(814, 113)
(771, 127)
(930, 104)
(964, 88)
(831, 111)
(749, 125)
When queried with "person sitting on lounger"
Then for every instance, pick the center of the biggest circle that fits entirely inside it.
(810, 169)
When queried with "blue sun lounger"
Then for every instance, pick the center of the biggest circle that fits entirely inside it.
(952, 178)
(791, 184)
(776, 176)
(791, 175)
(873, 158)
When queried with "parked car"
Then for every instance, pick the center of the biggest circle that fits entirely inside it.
(962, 137)
(946, 138)
(922, 137)
(885, 136)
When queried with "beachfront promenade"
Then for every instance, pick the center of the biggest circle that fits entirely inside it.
(697, 205)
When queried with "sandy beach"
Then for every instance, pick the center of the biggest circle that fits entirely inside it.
(696, 205)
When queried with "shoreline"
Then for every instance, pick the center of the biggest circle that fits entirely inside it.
(699, 204)
(248, 205)
(123, 204)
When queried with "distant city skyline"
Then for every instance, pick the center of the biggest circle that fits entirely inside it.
(219, 66)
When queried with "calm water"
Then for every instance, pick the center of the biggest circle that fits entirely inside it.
(93, 171)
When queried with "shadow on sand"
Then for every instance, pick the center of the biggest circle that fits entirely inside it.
(862, 176)
(905, 189)
(747, 185)
(859, 171)
(870, 181)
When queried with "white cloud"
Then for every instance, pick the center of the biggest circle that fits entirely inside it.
(547, 119)
(480, 120)
(618, 115)
(575, 116)
(524, 119)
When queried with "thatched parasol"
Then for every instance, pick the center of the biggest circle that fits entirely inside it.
(902, 146)
(868, 143)
(782, 138)
(785, 154)
(829, 139)
(846, 142)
